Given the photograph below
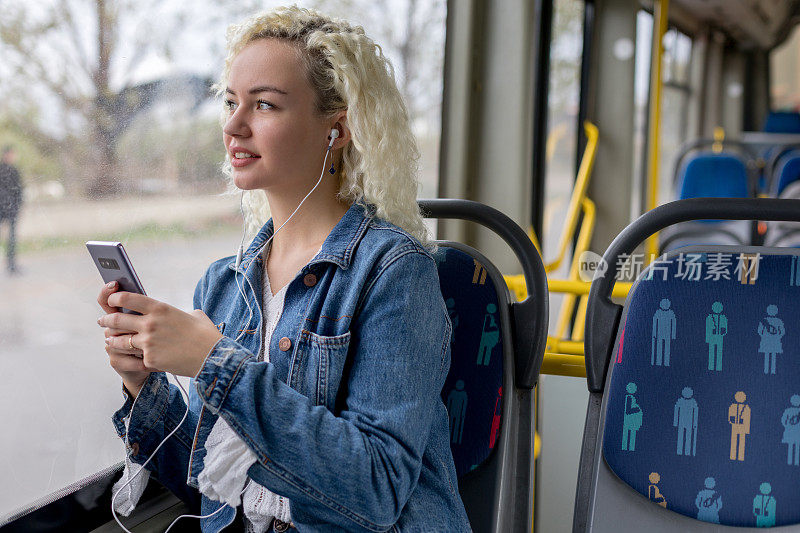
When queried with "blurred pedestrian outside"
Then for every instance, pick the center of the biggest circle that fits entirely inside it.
(10, 203)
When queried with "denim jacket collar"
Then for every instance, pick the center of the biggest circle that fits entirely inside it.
(338, 246)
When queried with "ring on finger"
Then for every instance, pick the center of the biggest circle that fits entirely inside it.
(130, 342)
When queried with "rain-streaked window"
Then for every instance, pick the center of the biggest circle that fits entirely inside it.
(108, 117)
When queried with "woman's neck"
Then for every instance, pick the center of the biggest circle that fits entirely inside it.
(312, 223)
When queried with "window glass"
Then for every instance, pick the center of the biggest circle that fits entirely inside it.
(674, 108)
(785, 75)
(675, 92)
(562, 120)
(117, 138)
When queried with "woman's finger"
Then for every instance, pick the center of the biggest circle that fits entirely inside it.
(102, 299)
(121, 321)
(124, 343)
(125, 363)
(112, 332)
(135, 302)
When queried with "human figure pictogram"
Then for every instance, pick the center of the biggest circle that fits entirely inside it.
(457, 411)
(708, 502)
(716, 329)
(498, 407)
(632, 419)
(739, 419)
(790, 420)
(771, 331)
(685, 419)
(653, 491)
(490, 335)
(664, 328)
(764, 506)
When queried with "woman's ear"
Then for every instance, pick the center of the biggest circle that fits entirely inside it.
(340, 123)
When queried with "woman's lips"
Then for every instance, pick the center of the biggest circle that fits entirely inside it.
(243, 162)
(246, 156)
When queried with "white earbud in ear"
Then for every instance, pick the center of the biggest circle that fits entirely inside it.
(333, 135)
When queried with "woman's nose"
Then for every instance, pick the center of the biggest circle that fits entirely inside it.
(236, 124)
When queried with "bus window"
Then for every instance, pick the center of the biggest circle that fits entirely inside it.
(785, 78)
(562, 120)
(121, 141)
(674, 106)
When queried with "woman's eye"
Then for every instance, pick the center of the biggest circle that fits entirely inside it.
(262, 105)
(230, 105)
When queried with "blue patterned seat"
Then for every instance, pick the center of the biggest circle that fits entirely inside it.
(474, 387)
(702, 406)
(497, 348)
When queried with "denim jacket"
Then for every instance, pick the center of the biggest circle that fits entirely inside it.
(346, 419)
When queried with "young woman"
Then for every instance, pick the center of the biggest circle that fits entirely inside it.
(317, 355)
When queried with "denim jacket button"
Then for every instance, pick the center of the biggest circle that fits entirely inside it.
(280, 526)
(284, 344)
(310, 280)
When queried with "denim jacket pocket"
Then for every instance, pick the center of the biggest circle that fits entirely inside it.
(317, 366)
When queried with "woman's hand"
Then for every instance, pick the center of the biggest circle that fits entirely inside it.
(126, 362)
(168, 339)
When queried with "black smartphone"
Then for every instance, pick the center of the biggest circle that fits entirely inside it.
(114, 265)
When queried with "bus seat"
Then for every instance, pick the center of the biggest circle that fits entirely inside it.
(787, 172)
(782, 122)
(687, 427)
(696, 232)
(718, 175)
(710, 175)
(489, 400)
(781, 233)
(473, 391)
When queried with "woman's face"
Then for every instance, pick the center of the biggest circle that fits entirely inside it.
(274, 136)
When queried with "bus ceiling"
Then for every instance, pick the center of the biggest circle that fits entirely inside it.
(761, 24)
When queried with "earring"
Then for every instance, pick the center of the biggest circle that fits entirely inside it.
(332, 170)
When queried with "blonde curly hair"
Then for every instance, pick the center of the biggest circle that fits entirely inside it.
(347, 71)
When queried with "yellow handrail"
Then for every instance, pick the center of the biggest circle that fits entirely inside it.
(560, 364)
(516, 284)
(578, 329)
(564, 346)
(719, 138)
(659, 29)
(581, 246)
(578, 194)
(620, 289)
(565, 357)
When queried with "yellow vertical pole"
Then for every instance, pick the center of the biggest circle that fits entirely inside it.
(659, 29)
(719, 137)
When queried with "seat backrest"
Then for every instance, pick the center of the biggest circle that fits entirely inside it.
(782, 122)
(709, 174)
(497, 350)
(473, 391)
(702, 232)
(787, 172)
(483, 420)
(701, 409)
